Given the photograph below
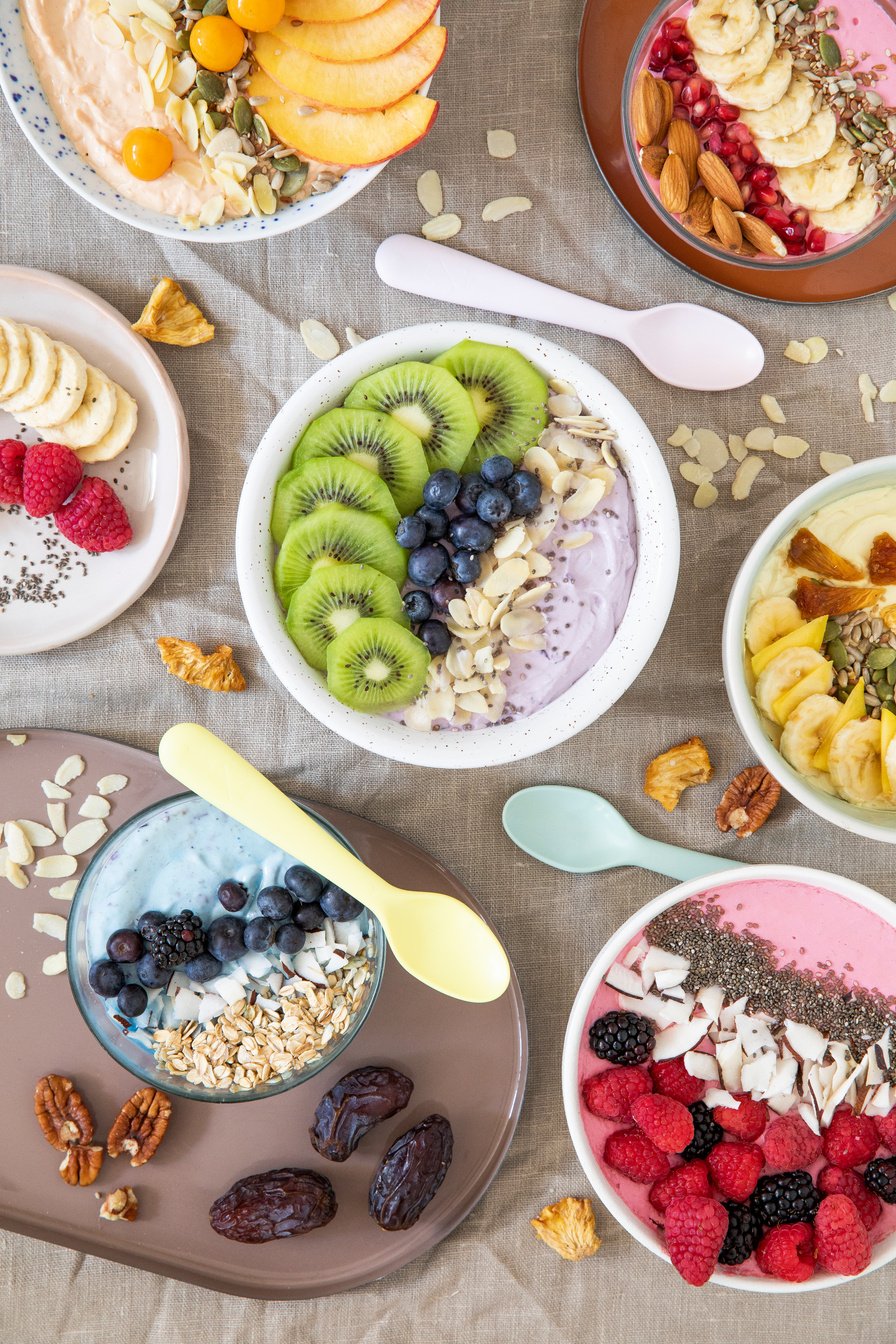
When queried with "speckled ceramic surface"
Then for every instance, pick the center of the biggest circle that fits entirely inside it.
(652, 592)
(51, 592)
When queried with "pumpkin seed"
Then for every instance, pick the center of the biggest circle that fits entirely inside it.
(260, 127)
(831, 631)
(837, 654)
(183, 40)
(891, 674)
(214, 7)
(829, 51)
(294, 182)
(243, 115)
(195, 4)
(871, 120)
(290, 163)
(881, 658)
(218, 120)
(210, 87)
(807, 5)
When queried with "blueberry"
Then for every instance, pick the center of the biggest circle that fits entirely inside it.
(493, 506)
(466, 566)
(125, 945)
(150, 974)
(472, 487)
(445, 591)
(524, 489)
(132, 1000)
(233, 896)
(496, 470)
(338, 904)
(106, 978)
(202, 968)
(436, 637)
(225, 937)
(411, 532)
(309, 916)
(259, 934)
(436, 521)
(150, 919)
(303, 883)
(441, 488)
(427, 564)
(275, 902)
(472, 534)
(418, 606)
(290, 938)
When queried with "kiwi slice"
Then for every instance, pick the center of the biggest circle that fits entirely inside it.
(508, 395)
(334, 598)
(429, 402)
(373, 441)
(329, 480)
(376, 664)
(335, 535)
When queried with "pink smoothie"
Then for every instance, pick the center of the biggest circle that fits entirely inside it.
(810, 929)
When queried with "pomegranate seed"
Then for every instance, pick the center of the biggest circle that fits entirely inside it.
(701, 112)
(762, 175)
(793, 233)
(746, 191)
(728, 113)
(673, 27)
(676, 86)
(737, 170)
(800, 216)
(766, 196)
(714, 143)
(740, 133)
(681, 47)
(696, 90)
(775, 218)
(796, 249)
(729, 151)
(675, 71)
(715, 127)
(660, 54)
(817, 240)
(689, 66)
(749, 154)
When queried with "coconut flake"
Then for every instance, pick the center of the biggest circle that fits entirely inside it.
(805, 1041)
(699, 1064)
(754, 1035)
(679, 1039)
(730, 1059)
(625, 980)
(718, 1096)
(758, 1072)
(711, 998)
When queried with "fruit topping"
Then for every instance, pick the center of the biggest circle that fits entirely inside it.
(788, 1253)
(50, 474)
(748, 801)
(746, 1120)
(95, 519)
(671, 1077)
(666, 1122)
(286, 1202)
(170, 318)
(217, 43)
(427, 400)
(788, 1198)
(610, 1094)
(808, 552)
(850, 1140)
(106, 978)
(633, 1154)
(12, 465)
(837, 1181)
(880, 1177)
(257, 16)
(882, 564)
(743, 1236)
(175, 940)
(825, 599)
(125, 945)
(696, 1228)
(336, 535)
(232, 895)
(842, 1244)
(147, 153)
(622, 1037)
(217, 671)
(140, 1126)
(735, 1168)
(790, 1144)
(707, 1132)
(568, 1228)
(304, 884)
(132, 1000)
(411, 1174)
(691, 1178)
(353, 1106)
(886, 1129)
(509, 398)
(669, 774)
(329, 480)
(376, 664)
(374, 441)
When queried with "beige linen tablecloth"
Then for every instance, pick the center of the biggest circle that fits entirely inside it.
(511, 64)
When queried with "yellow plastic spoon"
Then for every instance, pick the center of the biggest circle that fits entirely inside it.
(435, 937)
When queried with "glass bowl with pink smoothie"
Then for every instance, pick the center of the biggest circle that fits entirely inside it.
(730, 1052)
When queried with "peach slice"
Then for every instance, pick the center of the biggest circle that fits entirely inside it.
(377, 34)
(353, 86)
(351, 139)
(330, 11)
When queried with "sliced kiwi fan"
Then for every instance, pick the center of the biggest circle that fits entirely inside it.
(336, 535)
(373, 441)
(509, 397)
(427, 400)
(331, 600)
(329, 480)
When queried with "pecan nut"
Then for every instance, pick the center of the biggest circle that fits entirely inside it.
(61, 1113)
(81, 1164)
(748, 801)
(140, 1126)
(120, 1206)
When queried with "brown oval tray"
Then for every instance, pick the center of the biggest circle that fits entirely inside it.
(467, 1061)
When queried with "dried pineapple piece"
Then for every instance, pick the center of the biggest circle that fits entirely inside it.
(808, 552)
(829, 599)
(568, 1228)
(170, 317)
(668, 775)
(216, 671)
(882, 565)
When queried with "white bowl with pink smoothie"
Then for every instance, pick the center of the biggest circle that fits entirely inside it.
(814, 934)
(616, 592)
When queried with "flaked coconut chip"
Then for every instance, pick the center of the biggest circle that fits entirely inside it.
(772, 408)
(441, 228)
(833, 462)
(56, 865)
(55, 791)
(14, 874)
(54, 926)
(705, 496)
(501, 144)
(318, 339)
(55, 964)
(18, 846)
(95, 806)
(17, 739)
(15, 985)
(66, 891)
(429, 192)
(760, 440)
(83, 837)
(787, 445)
(681, 436)
(504, 206)
(745, 475)
(56, 813)
(111, 784)
(71, 768)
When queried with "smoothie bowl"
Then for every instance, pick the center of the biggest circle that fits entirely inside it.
(457, 545)
(728, 1060)
(212, 965)
(810, 648)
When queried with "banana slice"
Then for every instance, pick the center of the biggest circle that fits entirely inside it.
(787, 116)
(783, 673)
(854, 215)
(891, 760)
(66, 394)
(93, 418)
(824, 184)
(120, 434)
(18, 357)
(746, 63)
(41, 373)
(763, 90)
(769, 619)
(805, 730)
(720, 26)
(4, 356)
(854, 762)
(807, 145)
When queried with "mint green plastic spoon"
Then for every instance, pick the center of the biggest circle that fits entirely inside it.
(579, 832)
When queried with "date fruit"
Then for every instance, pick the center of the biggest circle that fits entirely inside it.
(410, 1174)
(354, 1105)
(283, 1203)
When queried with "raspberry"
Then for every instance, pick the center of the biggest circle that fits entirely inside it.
(50, 475)
(695, 1233)
(880, 1176)
(836, 1181)
(690, 1179)
(635, 1156)
(885, 1124)
(787, 1253)
(12, 460)
(610, 1094)
(850, 1140)
(746, 1121)
(672, 1079)
(735, 1168)
(622, 1038)
(95, 519)
(665, 1121)
(842, 1244)
(790, 1143)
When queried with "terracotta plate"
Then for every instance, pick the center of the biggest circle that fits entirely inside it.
(609, 31)
(466, 1061)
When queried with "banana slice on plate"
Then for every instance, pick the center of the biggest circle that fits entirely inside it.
(854, 762)
(805, 146)
(41, 373)
(788, 116)
(769, 619)
(764, 90)
(93, 418)
(825, 183)
(806, 730)
(721, 26)
(782, 674)
(18, 357)
(745, 63)
(853, 215)
(66, 394)
(119, 435)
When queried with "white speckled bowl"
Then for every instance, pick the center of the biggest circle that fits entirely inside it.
(594, 693)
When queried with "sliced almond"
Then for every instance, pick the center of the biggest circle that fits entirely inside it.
(56, 813)
(772, 409)
(866, 386)
(70, 769)
(442, 227)
(84, 836)
(509, 576)
(868, 408)
(474, 702)
(319, 340)
(798, 351)
(504, 206)
(37, 835)
(705, 496)
(111, 784)
(760, 440)
(888, 391)
(66, 891)
(713, 452)
(833, 462)
(56, 865)
(692, 447)
(789, 446)
(576, 541)
(510, 543)
(818, 349)
(54, 964)
(680, 437)
(539, 565)
(745, 475)
(530, 597)
(527, 643)
(17, 739)
(517, 623)
(14, 874)
(52, 790)
(582, 503)
(53, 925)
(501, 144)
(429, 192)
(94, 806)
(18, 845)
(15, 985)
(693, 472)
(737, 448)
(542, 463)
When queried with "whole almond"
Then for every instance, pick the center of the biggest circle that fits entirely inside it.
(668, 100)
(675, 189)
(760, 234)
(648, 109)
(684, 141)
(726, 226)
(716, 177)
(652, 159)
(698, 216)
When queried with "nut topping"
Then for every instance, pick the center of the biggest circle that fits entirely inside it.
(81, 1164)
(748, 801)
(61, 1113)
(120, 1206)
(140, 1126)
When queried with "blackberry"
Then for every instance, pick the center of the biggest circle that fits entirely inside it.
(743, 1236)
(880, 1176)
(178, 939)
(706, 1132)
(790, 1197)
(622, 1038)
